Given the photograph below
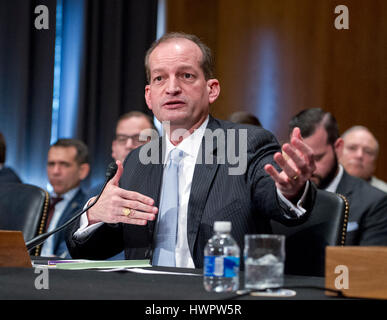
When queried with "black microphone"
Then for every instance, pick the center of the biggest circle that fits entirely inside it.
(110, 172)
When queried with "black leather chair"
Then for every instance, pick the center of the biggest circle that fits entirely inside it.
(23, 207)
(305, 244)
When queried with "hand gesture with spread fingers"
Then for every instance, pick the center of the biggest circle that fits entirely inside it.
(120, 205)
(297, 164)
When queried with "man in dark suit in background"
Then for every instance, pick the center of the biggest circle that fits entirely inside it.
(246, 189)
(367, 205)
(127, 138)
(67, 166)
(6, 174)
(244, 117)
(359, 155)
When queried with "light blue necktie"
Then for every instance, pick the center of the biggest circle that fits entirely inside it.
(166, 230)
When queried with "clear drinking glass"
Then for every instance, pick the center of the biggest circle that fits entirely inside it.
(264, 257)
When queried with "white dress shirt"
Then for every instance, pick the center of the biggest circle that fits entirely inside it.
(190, 146)
(332, 187)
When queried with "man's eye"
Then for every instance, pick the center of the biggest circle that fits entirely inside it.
(187, 76)
(371, 153)
(352, 148)
(157, 79)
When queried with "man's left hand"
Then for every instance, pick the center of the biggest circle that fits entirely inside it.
(297, 166)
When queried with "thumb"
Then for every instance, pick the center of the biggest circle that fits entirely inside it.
(120, 169)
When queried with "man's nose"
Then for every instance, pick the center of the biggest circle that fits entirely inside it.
(359, 153)
(173, 86)
(130, 144)
(56, 169)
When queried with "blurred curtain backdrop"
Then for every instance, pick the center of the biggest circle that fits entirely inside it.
(26, 84)
(117, 34)
(103, 43)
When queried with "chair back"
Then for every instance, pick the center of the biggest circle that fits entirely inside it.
(24, 208)
(305, 243)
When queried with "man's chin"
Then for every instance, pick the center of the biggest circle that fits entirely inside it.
(355, 171)
(316, 181)
(59, 191)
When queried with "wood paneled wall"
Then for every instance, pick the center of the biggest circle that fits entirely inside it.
(275, 58)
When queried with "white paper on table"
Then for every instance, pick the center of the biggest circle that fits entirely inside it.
(145, 271)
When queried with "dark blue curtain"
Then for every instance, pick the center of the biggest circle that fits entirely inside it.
(26, 84)
(104, 43)
(102, 76)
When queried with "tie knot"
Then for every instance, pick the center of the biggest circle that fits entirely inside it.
(55, 200)
(177, 155)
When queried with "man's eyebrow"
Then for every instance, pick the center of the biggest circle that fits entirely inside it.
(157, 70)
(179, 68)
(319, 155)
(61, 162)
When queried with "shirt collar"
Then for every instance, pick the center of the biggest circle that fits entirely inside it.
(190, 145)
(68, 195)
(335, 182)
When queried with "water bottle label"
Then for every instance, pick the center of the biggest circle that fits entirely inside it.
(219, 266)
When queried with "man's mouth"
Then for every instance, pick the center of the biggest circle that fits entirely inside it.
(173, 104)
(355, 164)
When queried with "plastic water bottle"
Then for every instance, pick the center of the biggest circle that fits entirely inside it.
(221, 260)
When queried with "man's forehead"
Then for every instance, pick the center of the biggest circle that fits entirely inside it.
(132, 124)
(65, 153)
(360, 137)
(177, 43)
(175, 48)
(318, 140)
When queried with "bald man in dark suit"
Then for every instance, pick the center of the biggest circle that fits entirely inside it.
(234, 175)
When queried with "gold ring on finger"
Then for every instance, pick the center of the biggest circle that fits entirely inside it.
(295, 177)
(126, 212)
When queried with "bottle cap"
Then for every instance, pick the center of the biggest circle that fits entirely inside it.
(222, 226)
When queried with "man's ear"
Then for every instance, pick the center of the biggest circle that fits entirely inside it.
(148, 97)
(84, 170)
(213, 88)
(339, 146)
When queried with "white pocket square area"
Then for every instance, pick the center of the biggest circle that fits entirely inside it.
(352, 226)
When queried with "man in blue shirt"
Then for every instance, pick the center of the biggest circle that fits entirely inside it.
(67, 166)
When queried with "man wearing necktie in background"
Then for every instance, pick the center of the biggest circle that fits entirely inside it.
(67, 166)
(133, 210)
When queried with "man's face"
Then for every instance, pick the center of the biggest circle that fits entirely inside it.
(358, 156)
(127, 136)
(325, 158)
(63, 172)
(178, 91)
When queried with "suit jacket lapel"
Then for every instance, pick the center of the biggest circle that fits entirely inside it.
(204, 174)
(345, 186)
(155, 187)
(72, 207)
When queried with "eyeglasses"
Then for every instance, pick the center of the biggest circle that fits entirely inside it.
(122, 139)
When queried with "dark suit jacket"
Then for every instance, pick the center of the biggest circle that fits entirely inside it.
(94, 190)
(74, 206)
(8, 175)
(367, 212)
(248, 200)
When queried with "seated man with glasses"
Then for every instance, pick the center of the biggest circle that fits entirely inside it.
(127, 138)
(128, 129)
